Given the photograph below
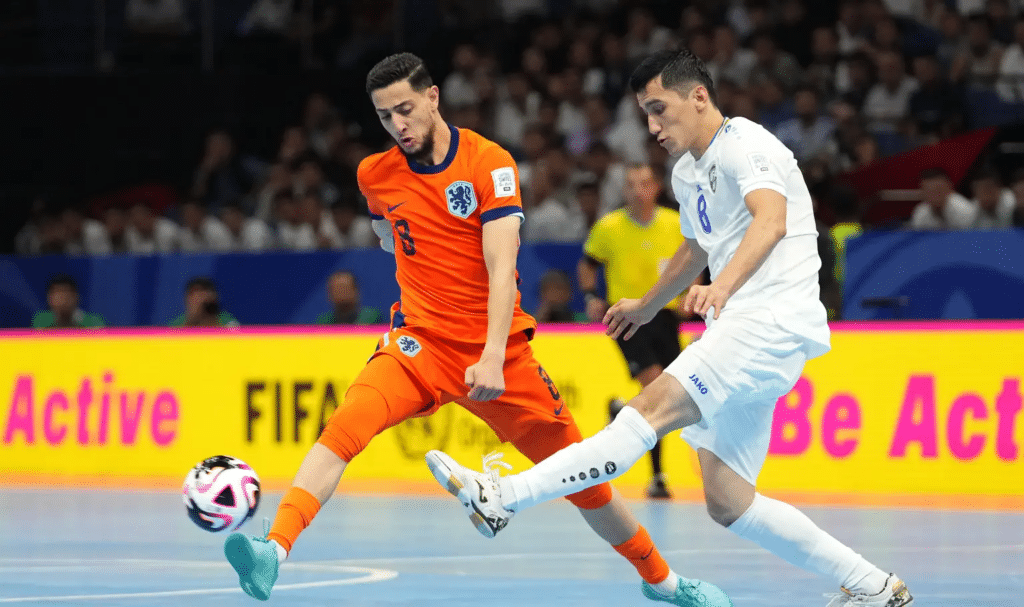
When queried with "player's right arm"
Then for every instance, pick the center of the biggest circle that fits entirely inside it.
(627, 315)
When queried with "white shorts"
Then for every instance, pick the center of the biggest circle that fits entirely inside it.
(742, 364)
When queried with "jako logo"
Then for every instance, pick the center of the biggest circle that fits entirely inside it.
(700, 385)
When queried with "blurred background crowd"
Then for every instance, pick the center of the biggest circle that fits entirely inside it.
(162, 126)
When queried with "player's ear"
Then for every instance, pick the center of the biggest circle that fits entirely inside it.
(434, 95)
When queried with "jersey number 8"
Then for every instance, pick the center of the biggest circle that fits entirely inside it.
(408, 244)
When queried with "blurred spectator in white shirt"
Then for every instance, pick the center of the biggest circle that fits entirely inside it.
(318, 118)
(201, 232)
(644, 36)
(941, 207)
(549, 219)
(247, 234)
(115, 222)
(809, 134)
(279, 178)
(351, 224)
(148, 233)
(1011, 69)
(84, 235)
(516, 108)
(610, 174)
(293, 234)
(310, 178)
(887, 101)
(731, 62)
(628, 135)
(995, 203)
(459, 88)
(978, 61)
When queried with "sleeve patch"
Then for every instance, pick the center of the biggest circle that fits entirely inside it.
(759, 162)
(504, 182)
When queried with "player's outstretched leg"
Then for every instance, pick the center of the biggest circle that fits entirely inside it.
(255, 559)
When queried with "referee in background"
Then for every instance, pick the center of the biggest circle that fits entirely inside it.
(633, 244)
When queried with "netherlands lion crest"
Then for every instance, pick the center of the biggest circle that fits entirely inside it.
(461, 199)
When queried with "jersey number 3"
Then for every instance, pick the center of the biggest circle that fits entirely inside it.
(408, 244)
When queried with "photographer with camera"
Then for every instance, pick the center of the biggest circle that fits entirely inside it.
(202, 306)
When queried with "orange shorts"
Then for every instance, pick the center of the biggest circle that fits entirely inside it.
(414, 372)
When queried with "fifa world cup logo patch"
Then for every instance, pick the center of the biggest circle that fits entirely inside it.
(461, 199)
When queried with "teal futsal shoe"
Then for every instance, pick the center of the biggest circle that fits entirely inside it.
(255, 561)
(691, 593)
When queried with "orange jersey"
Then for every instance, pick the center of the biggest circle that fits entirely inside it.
(437, 215)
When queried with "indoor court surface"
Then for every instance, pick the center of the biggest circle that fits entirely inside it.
(117, 548)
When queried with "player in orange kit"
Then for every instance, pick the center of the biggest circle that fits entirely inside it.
(446, 202)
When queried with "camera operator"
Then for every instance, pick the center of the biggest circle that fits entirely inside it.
(202, 306)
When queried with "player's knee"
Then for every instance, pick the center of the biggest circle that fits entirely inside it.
(592, 498)
(361, 417)
(723, 511)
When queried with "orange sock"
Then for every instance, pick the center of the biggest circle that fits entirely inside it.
(296, 512)
(645, 557)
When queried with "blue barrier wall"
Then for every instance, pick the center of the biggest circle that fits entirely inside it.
(268, 288)
(940, 274)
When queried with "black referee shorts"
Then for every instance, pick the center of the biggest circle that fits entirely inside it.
(656, 343)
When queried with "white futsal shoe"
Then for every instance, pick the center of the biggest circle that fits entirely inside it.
(478, 492)
(895, 594)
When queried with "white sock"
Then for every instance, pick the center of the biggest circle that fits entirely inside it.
(595, 460)
(667, 587)
(282, 554)
(791, 535)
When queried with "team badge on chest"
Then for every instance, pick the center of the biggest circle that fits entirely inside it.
(461, 199)
(713, 177)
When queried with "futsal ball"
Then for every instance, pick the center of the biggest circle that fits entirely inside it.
(221, 493)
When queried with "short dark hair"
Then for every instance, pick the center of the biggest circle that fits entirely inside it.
(204, 283)
(933, 172)
(395, 68)
(62, 280)
(676, 68)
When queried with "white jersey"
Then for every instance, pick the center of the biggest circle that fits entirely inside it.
(744, 157)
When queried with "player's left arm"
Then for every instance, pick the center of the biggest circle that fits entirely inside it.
(768, 208)
(500, 247)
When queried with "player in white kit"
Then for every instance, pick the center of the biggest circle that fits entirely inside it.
(746, 214)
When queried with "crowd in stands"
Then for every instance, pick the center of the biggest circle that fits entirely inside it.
(842, 85)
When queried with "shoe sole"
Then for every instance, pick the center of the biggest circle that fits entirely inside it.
(443, 474)
(239, 553)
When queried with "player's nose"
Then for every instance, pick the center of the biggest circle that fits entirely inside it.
(653, 126)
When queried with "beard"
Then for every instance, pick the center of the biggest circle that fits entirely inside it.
(424, 155)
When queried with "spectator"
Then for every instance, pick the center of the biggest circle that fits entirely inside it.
(555, 297)
(63, 312)
(775, 106)
(201, 232)
(460, 85)
(353, 227)
(268, 16)
(517, 107)
(809, 135)
(222, 174)
(84, 236)
(548, 219)
(773, 63)
(310, 179)
(318, 119)
(610, 174)
(941, 208)
(887, 101)
(644, 36)
(995, 203)
(977, 63)
(115, 221)
(1017, 187)
(588, 203)
(1000, 18)
(294, 145)
(148, 233)
(936, 107)
(343, 294)
(316, 223)
(859, 82)
(792, 31)
(291, 233)
(851, 27)
(246, 234)
(616, 68)
(202, 306)
(732, 62)
(951, 41)
(865, 151)
(826, 71)
(1011, 68)
(279, 179)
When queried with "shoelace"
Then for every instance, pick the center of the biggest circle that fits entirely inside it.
(266, 531)
(492, 462)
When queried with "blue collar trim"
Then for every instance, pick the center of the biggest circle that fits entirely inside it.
(424, 169)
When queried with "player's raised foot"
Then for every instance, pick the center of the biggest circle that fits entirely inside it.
(691, 593)
(255, 560)
(478, 491)
(658, 490)
(895, 594)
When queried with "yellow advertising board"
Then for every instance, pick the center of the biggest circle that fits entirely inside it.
(918, 413)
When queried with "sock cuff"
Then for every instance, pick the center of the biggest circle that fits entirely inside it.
(303, 501)
(750, 517)
(636, 422)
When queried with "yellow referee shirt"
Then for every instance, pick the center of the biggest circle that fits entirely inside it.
(634, 255)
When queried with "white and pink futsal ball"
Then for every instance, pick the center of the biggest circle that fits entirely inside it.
(221, 493)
